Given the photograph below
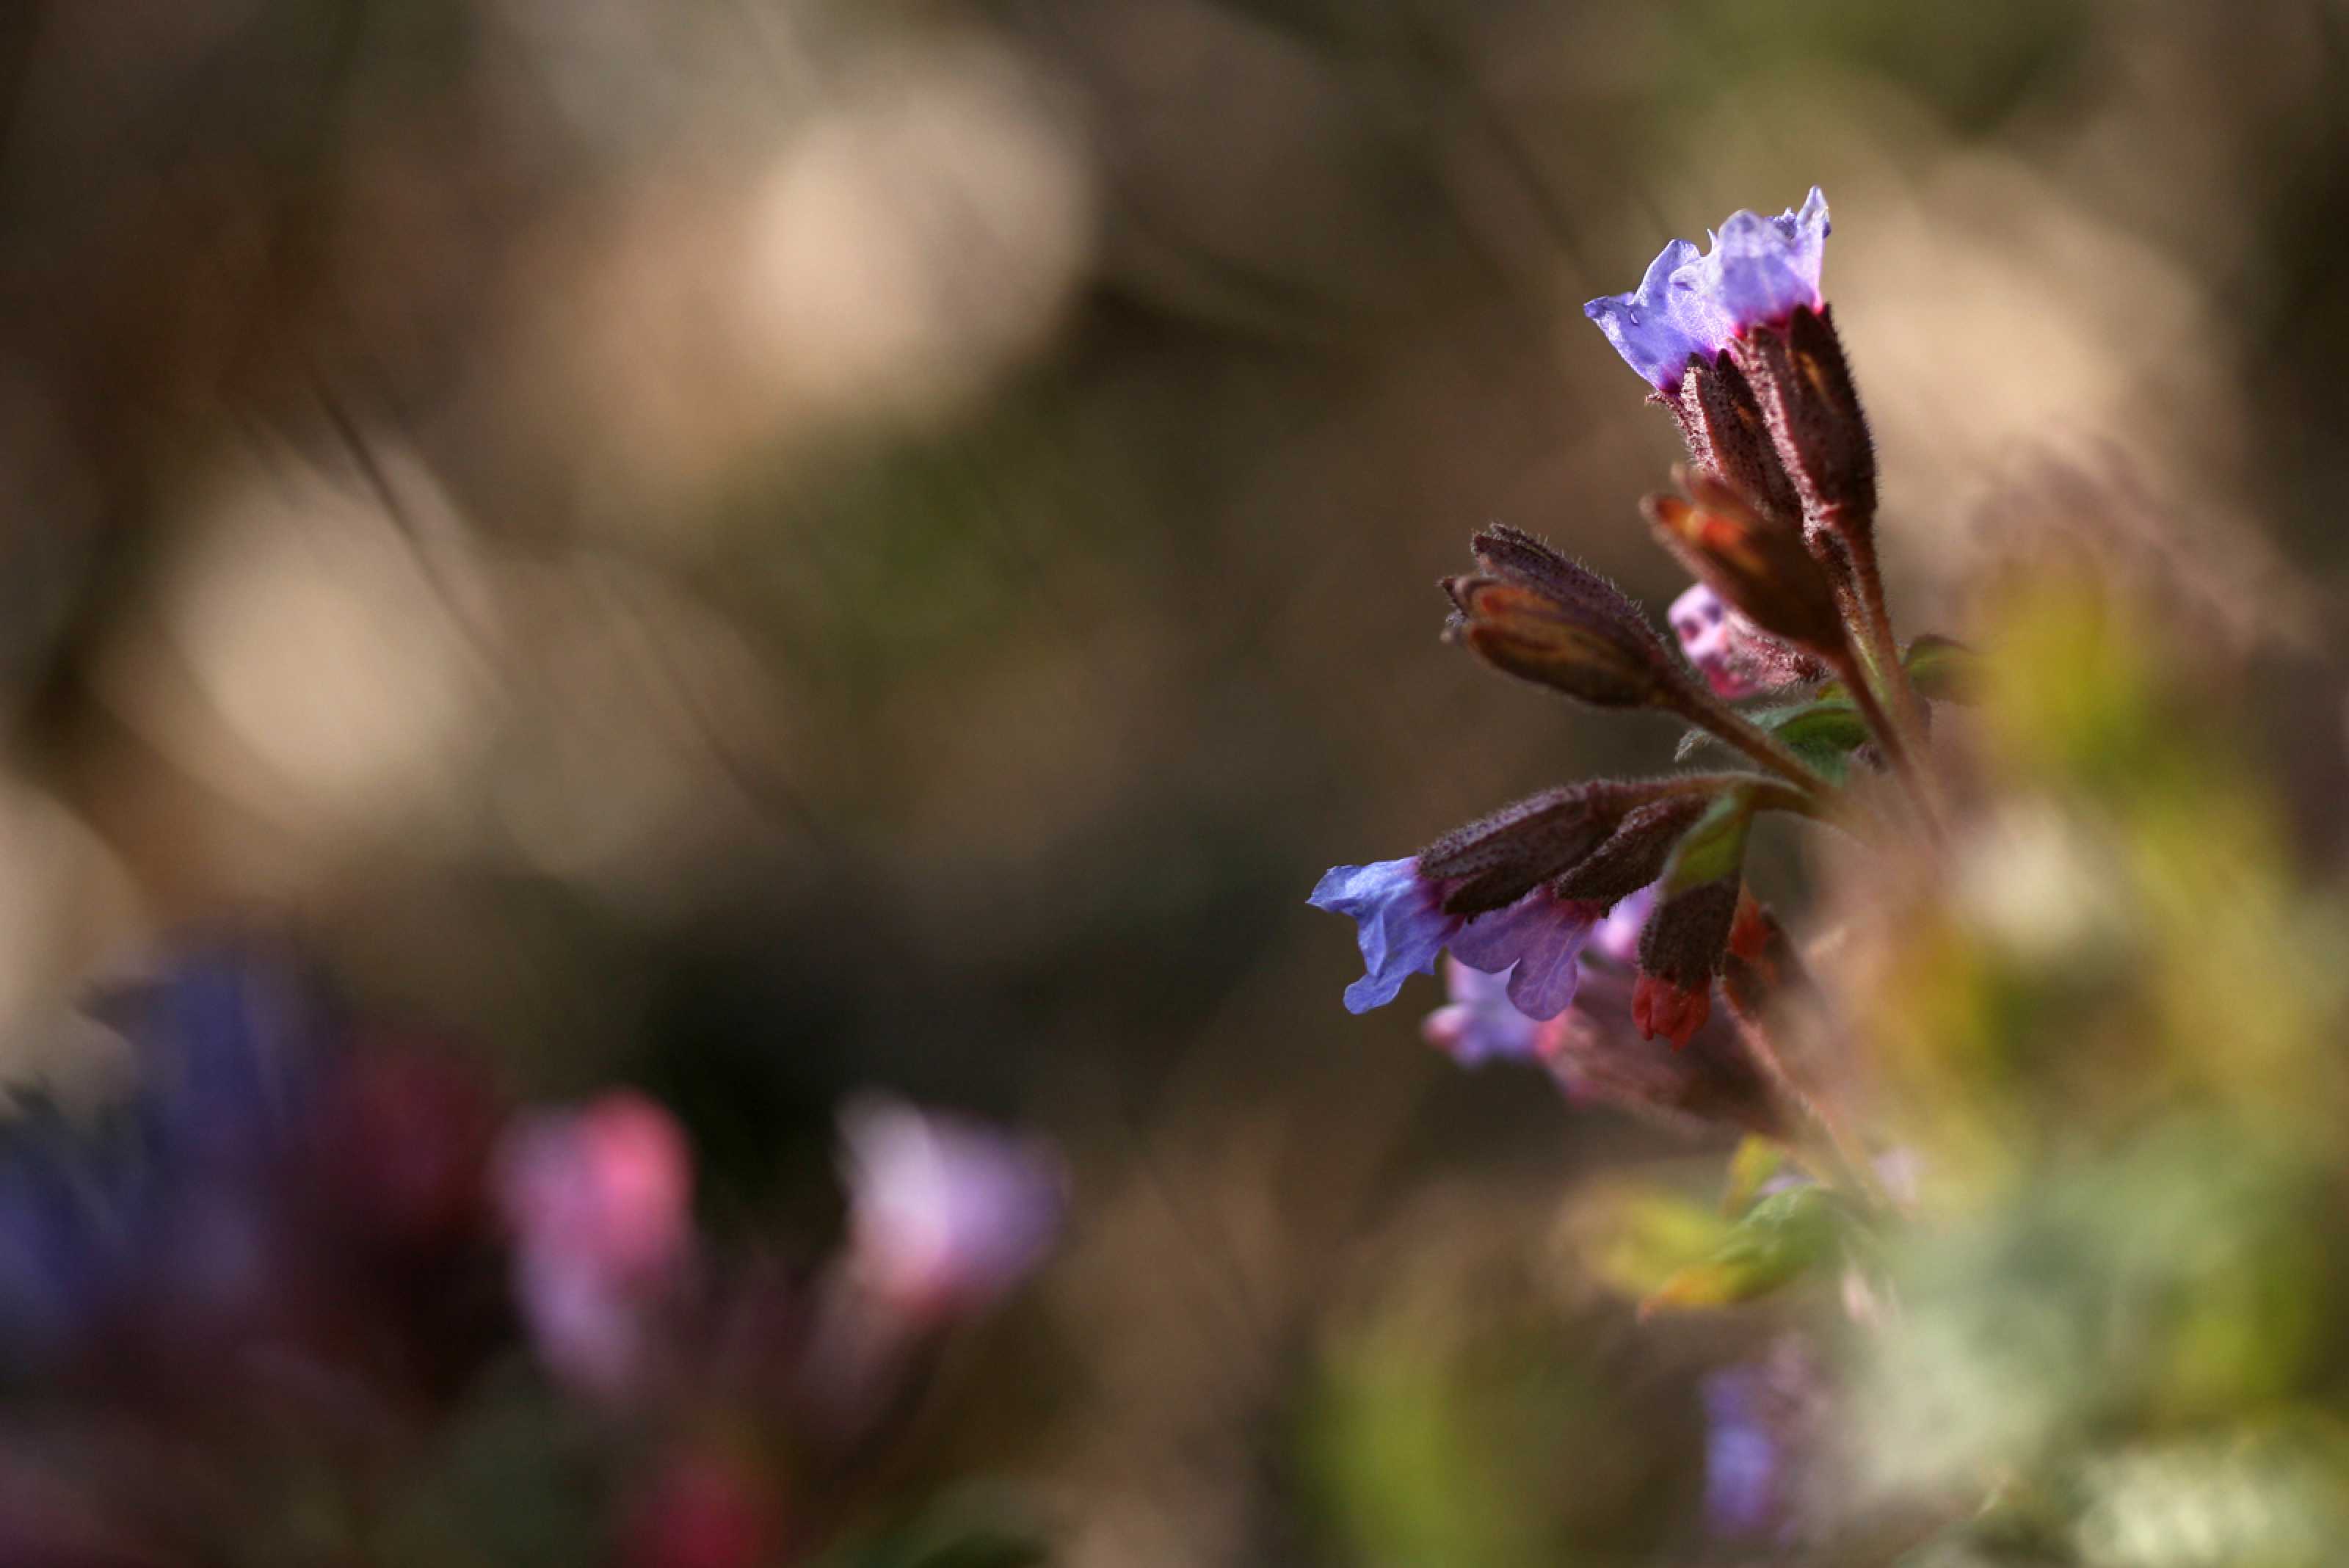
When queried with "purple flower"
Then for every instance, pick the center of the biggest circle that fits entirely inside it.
(1402, 926)
(1741, 1464)
(1480, 1023)
(1764, 1421)
(1758, 271)
(944, 1215)
(1537, 941)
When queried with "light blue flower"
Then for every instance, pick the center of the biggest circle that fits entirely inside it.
(1402, 927)
(1758, 272)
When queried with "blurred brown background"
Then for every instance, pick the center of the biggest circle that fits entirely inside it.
(761, 546)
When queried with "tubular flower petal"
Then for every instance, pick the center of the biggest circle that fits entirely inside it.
(1658, 326)
(1537, 941)
(1401, 923)
(1402, 926)
(1759, 270)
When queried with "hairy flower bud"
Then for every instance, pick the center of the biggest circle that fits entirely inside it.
(1536, 615)
(1799, 374)
(1633, 856)
(1499, 858)
(1680, 951)
(1722, 422)
(1757, 564)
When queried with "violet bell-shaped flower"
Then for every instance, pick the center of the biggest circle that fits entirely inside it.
(1689, 304)
(1479, 1024)
(1402, 926)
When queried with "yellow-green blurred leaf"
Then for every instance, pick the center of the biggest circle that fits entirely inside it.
(1779, 1240)
(1756, 1160)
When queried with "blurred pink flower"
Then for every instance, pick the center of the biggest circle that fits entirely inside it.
(1617, 938)
(1708, 632)
(944, 1215)
(600, 1201)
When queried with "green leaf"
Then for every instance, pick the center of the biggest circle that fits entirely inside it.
(1780, 1239)
(1714, 847)
(1943, 669)
(1823, 732)
(1757, 1159)
(1634, 1237)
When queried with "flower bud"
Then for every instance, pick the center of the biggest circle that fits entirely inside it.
(1799, 377)
(1736, 657)
(1722, 422)
(1538, 616)
(1757, 565)
(1660, 1007)
(1680, 951)
(1500, 858)
(1633, 856)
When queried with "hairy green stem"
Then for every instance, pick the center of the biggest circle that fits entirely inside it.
(1922, 795)
(1733, 727)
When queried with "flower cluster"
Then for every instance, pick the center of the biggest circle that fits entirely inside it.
(1600, 915)
(1774, 517)
(307, 1245)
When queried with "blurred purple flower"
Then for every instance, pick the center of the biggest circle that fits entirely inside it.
(56, 1264)
(234, 1040)
(179, 1194)
(1616, 938)
(600, 1201)
(1401, 926)
(1764, 1421)
(1758, 270)
(1741, 1463)
(1480, 1024)
(944, 1215)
